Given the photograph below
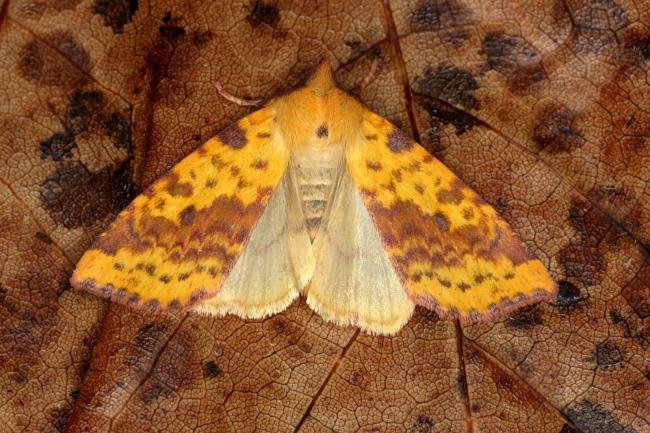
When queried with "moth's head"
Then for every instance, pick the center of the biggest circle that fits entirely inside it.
(319, 114)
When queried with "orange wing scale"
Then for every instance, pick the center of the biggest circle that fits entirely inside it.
(175, 243)
(452, 251)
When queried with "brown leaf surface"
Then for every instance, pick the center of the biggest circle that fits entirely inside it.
(543, 107)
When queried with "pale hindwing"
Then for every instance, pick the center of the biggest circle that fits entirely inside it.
(354, 282)
(274, 266)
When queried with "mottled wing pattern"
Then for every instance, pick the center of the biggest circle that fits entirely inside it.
(175, 244)
(451, 250)
(275, 265)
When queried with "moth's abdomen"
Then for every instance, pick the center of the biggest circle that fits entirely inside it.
(316, 172)
(315, 185)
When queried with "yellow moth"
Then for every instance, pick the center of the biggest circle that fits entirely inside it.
(313, 194)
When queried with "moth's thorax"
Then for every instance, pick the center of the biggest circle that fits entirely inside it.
(316, 170)
(318, 114)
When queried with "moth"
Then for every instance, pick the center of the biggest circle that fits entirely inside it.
(314, 195)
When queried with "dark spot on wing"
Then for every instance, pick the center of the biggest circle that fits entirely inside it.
(453, 195)
(373, 165)
(150, 269)
(176, 188)
(187, 215)
(398, 141)
(442, 222)
(233, 136)
(322, 131)
(260, 164)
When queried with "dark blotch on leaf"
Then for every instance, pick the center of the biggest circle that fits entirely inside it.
(171, 30)
(423, 424)
(74, 196)
(148, 336)
(44, 64)
(262, 12)
(645, 50)
(151, 393)
(581, 259)
(461, 385)
(44, 237)
(566, 428)
(446, 17)
(59, 416)
(211, 369)
(590, 417)
(501, 205)
(554, 131)
(608, 354)
(87, 111)
(450, 84)
(568, 294)
(118, 126)
(515, 58)
(58, 146)
(441, 114)
(526, 319)
(116, 13)
(85, 107)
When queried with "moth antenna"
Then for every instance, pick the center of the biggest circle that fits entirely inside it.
(234, 99)
(371, 74)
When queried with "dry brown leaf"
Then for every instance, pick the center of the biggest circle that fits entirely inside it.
(543, 107)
